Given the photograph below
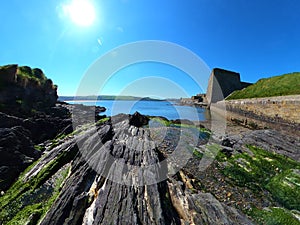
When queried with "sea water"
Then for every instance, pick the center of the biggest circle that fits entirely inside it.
(168, 109)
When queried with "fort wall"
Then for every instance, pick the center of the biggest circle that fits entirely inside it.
(222, 83)
(281, 112)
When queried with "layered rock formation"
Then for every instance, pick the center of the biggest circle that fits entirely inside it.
(29, 115)
(121, 171)
(25, 89)
(116, 176)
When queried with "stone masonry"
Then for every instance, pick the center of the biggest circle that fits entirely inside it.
(222, 83)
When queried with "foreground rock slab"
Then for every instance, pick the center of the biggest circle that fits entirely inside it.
(114, 174)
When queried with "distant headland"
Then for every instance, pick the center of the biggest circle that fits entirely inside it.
(106, 97)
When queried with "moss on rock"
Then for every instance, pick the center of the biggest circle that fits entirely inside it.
(274, 216)
(285, 187)
(256, 167)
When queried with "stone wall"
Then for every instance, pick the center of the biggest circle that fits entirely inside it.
(222, 83)
(273, 112)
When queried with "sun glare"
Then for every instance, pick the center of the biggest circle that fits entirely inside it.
(81, 12)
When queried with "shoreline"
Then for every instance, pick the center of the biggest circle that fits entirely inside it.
(235, 123)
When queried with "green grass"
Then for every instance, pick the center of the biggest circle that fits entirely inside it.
(288, 84)
(31, 74)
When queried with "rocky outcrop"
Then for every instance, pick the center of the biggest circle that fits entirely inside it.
(138, 120)
(28, 116)
(117, 175)
(24, 90)
(83, 113)
(17, 139)
(17, 152)
(8, 73)
(270, 140)
(40, 127)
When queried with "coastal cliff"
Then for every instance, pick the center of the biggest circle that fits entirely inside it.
(25, 89)
(29, 116)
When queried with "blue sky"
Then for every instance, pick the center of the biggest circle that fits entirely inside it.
(255, 38)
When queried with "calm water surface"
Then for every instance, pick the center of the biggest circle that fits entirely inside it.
(152, 108)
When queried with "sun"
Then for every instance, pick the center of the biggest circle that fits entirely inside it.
(81, 12)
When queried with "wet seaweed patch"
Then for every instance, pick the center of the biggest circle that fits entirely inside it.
(28, 201)
(31, 197)
(256, 167)
(159, 121)
(274, 216)
(262, 171)
(185, 129)
(285, 187)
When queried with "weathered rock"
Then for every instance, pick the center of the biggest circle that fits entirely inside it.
(46, 128)
(102, 198)
(8, 73)
(227, 151)
(7, 121)
(270, 140)
(116, 179)
(183, 121)
(210, 211)
(17, 136)
(17, 152)
(138, 120)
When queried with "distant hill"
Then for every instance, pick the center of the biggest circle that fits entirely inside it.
(287, 84)
(106, 97)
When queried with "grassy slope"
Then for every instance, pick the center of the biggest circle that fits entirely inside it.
(288, 84)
